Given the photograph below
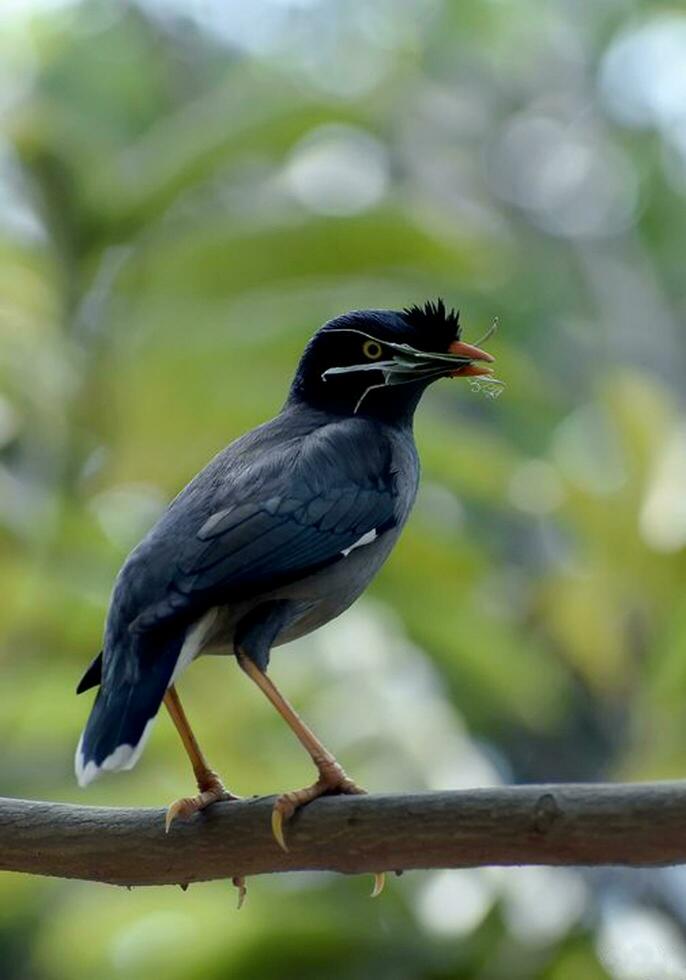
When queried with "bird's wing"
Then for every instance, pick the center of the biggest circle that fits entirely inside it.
(280, 529)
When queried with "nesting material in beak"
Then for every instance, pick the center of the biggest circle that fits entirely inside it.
(405, 364)
(468, 351)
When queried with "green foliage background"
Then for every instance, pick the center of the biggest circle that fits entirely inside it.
(186, 192)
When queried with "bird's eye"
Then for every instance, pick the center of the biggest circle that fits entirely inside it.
(372, 350)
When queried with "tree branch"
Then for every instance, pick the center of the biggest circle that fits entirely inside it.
(637, 825)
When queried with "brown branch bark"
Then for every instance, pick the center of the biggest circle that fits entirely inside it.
(630, 824)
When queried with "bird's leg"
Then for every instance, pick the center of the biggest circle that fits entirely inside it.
(210, 785)
(332, 777)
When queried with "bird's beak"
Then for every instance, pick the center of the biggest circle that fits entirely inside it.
(457, 361)
(470, 353)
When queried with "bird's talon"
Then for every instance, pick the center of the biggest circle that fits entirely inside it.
(287, 804)
(379, 882)
(238, 881)
(188, 805)
(179, 808)
(277, 828)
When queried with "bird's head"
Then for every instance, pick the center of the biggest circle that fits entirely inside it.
(379, 362)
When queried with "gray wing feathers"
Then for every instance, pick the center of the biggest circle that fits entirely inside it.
(272, 522)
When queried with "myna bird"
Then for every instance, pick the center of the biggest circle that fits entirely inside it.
(279, 534)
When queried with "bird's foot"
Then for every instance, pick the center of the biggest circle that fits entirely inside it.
(332, 780)
(212, 790)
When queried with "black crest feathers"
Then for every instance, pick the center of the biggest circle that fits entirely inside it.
(433, 320)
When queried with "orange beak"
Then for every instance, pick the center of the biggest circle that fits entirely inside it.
(459, 349)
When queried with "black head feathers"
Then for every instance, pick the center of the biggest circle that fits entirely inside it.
(378, 361)
(437, 326)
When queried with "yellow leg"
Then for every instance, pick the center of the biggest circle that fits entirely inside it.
(210, 785)
(332, 777)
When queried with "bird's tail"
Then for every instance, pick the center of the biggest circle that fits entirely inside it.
(123, 713)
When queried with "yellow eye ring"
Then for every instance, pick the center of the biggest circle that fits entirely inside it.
(372, 350)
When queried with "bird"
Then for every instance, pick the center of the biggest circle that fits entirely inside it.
(281, 532)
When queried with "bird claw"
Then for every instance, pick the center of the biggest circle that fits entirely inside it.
(277, 826)
(379, 883)
(179, 808)
(332, 781)
(286, 805)
(238, 881)
(184, 808)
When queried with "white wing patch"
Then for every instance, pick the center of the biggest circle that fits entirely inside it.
(361, 542)
(211, 523)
